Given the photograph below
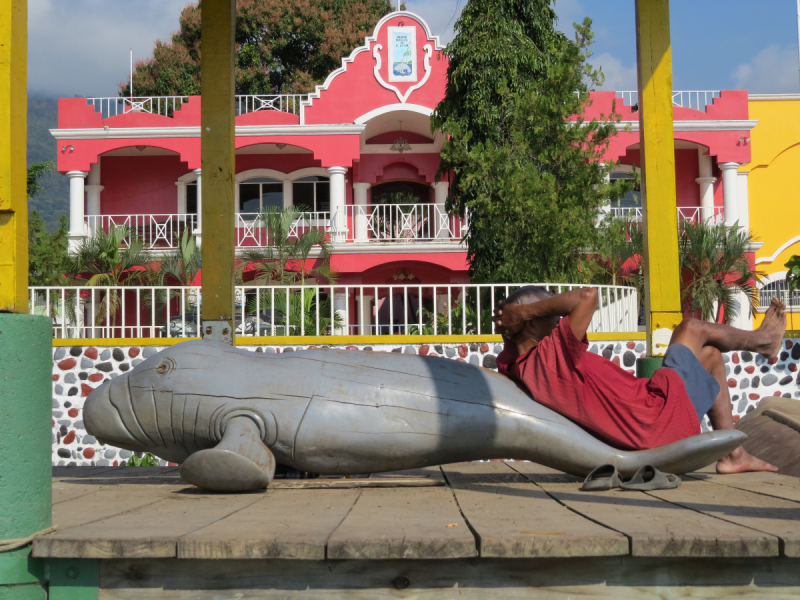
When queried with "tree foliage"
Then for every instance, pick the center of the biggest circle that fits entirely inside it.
(282, 46)
(47, 253)
(524, 164)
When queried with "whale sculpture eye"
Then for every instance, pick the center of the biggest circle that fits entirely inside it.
(166, 366)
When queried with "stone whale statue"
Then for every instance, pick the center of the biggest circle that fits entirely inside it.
(229, 415)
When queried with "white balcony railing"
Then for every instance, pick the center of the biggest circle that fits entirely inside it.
(696, 99)
(154, 312)
(685, 213)
(155, 231)
(779, 290)
(289, 103)
(251, 233)
(159, 105)
(167, 105)
(402, 223)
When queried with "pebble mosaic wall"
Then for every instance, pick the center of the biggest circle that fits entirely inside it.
(78, 370)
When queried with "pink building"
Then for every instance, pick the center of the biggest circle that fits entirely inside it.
(334, 153)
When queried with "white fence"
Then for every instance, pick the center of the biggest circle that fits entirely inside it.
(167, 105)
(155, 231)
(402, 222)
(289, 103)
(696, 99)
(159, 105)
(251, 233)
(779, 290)
(147, 312)
(685, 213)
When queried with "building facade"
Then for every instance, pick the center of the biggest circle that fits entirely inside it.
(344, 154)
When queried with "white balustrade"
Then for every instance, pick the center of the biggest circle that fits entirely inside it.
(696, 99)
(148, 312)
(154, 231)
(289, 103)
(405, 223)
(779, 290)
(159, 105)
(251, 233)
(685, 213)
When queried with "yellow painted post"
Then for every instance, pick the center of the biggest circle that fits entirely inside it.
(13, 171)
(661, 268)
(218, 169)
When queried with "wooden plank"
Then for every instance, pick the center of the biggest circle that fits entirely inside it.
(775, 516)
(341, 484)
(107, 501)
(514, 518)
(772, 436)
(283, 524)
(434, 473)
(403, 523)
(617, 578)
(655, 527)
(67, 490)
(146, 532)
(769, 484)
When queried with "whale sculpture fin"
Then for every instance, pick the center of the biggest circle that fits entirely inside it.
(239, 463)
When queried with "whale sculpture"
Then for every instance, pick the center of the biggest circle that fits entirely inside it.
(230, 415)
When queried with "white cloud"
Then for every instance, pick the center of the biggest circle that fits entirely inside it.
(773, 70)
(81, 47)
(618, 76)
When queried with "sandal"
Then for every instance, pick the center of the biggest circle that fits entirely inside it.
(603, 478)
(649, 478)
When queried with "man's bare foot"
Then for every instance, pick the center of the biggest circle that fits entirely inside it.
(740, 461)
(773, 328)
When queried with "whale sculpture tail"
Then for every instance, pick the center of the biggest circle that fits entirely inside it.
(239, 463)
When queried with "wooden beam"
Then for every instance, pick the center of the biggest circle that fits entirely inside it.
(13, 168)
(218, 168)
(661, 268)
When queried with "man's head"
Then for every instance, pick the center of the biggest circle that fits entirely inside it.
(535, 329)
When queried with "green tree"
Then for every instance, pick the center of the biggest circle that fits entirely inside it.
(282, 46)
(523, 164)
(47, 253)
(714, 266)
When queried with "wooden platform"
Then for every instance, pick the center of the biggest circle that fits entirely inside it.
(489, 529)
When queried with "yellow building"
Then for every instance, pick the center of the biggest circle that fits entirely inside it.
(774, 193)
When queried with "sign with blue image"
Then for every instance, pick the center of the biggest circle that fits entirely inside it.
(403, 54)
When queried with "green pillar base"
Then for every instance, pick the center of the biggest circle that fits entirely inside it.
(26, 372)
(646, 367)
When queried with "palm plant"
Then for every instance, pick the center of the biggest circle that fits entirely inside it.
(286, 247)
(714, 267)
(107, 260)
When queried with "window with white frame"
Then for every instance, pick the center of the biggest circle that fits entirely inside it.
(312, 194)
(191, 197)
(259, 194)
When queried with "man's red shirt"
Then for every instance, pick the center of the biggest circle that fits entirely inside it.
(616, 406)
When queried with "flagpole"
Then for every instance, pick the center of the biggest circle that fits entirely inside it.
(131, 89)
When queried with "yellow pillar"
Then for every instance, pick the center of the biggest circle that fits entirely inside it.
(218, 143)
(661, 268)
(13, 171)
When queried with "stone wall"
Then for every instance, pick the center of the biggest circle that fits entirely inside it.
(78, 370)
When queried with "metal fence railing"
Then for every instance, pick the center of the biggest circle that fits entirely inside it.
(780, 290)
(159, 105)
(319, 310)
(403, 222)
(696, 99)
(155, 231)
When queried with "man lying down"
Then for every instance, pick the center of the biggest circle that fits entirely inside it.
(546, 351)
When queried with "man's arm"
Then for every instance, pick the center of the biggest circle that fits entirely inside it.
(579, 305)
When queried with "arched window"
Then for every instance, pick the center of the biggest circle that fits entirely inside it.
(312, 194)
(259, 194)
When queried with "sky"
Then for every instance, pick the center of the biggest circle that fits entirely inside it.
(81, 47)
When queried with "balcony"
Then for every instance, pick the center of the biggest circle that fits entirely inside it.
(385, 223)
(685, 213)
(167, 105)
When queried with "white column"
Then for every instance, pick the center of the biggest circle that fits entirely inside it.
(338, 196)
(340, 309)
(181, 210)
(365, 314)
(360, 211)
(743, 191)
(744, 320)
(442, 224)
(706, 183)
(729, 188)
(288, 193)
(199, 229)
(93, 190)
(77, 222)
